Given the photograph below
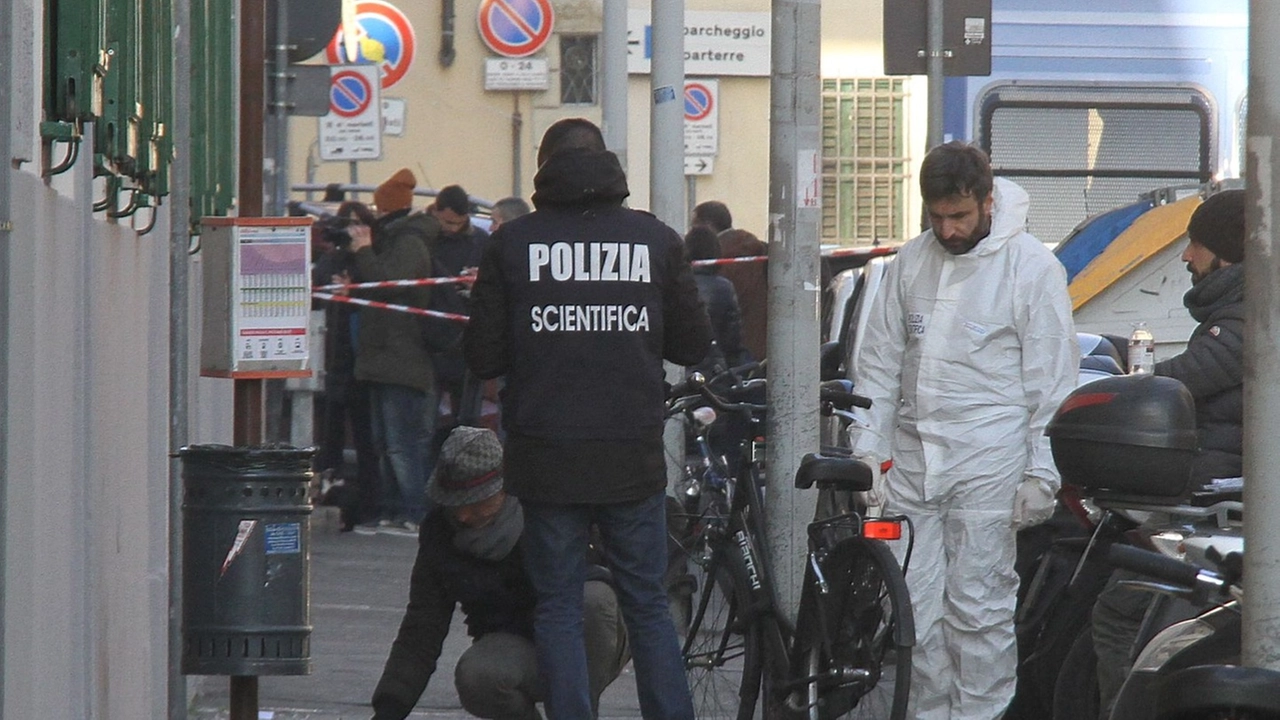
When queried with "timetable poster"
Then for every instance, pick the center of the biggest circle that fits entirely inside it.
(274, 302)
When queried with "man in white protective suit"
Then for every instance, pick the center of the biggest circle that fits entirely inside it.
(967, 353)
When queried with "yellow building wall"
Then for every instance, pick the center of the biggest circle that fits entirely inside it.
(456, 132)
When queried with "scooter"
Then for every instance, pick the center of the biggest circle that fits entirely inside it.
(1123, 446)
(1191, 670)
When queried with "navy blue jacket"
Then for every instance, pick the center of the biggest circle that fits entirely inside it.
(1212, 368)
(577, 304)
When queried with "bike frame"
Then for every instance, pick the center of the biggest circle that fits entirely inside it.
(742, 542)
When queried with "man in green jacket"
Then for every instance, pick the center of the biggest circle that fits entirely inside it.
(392, 354)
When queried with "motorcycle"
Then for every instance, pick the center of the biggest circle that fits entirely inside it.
(1190, 670)
(1123, 446)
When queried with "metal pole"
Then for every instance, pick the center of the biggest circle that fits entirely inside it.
(613, 79)
(280, 107)
(933, 65)
(252, 104)
(248, 410)
(517, 125)
(1260, 631)
(7, 79)
(353, 177)
(666, 162)
(690, 194)
(666, 114)
(179, 373)
(795, 212)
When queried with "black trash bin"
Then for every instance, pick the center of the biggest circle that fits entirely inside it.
(246, 547)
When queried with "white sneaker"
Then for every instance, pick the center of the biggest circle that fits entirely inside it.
(403, 529)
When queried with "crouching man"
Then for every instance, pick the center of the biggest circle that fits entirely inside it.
(469, 554)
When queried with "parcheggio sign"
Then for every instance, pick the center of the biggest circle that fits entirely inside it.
(715, 43)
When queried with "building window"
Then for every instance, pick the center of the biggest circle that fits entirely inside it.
(577, 69)
(864, 176)
(1081, 148)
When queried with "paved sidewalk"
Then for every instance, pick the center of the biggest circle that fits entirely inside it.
(359, 586)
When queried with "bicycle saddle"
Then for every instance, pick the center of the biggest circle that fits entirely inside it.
(840, 473)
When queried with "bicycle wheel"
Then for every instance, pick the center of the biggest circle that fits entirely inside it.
(865, 656)
(692, 523)
(722, 650)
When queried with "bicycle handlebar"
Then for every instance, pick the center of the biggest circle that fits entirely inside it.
(1160, 567)
(839, 394)
(834, 392)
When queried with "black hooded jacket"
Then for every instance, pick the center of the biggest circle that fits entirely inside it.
(721, 301)
(1212, 368)
(495, 595)
(577, 304)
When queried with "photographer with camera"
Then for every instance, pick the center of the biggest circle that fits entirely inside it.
(345, 401)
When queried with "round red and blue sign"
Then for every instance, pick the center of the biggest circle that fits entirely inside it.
(516, 28)
(349, 94)
(698, 101)
(385, 38)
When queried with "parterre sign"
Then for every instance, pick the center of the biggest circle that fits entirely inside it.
(715, 43)
(516, 28)
(385, 38)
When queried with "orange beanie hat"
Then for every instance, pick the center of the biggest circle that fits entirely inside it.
(396, 193)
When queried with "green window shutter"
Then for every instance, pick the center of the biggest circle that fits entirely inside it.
(863, 159)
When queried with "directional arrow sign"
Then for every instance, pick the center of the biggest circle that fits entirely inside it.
(698, 165)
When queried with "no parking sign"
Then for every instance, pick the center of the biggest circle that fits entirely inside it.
(353, 128)
(701, 117)
(384, 37)
(516, 28)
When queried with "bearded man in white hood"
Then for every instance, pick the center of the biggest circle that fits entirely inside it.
(968, 351)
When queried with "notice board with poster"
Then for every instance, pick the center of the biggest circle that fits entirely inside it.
(257, 297)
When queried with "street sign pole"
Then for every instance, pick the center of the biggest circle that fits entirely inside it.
(795, 209)
(1260, 643)
(613, 79)
(934, 68)
(666, 118)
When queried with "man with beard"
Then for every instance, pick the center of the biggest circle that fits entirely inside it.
(1212, 368)
(969, 349)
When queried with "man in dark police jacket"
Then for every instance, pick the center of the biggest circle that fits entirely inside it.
(577, 304)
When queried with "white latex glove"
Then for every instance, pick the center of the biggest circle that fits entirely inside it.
(1033, 503)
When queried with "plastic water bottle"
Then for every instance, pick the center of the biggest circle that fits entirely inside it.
(1142, 350)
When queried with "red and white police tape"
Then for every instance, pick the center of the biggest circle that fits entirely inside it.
(468, 279)
(417, 282)
(390, 306)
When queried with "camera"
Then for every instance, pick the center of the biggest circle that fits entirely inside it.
(335, 230)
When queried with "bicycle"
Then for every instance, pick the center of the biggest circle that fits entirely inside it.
(849, 648)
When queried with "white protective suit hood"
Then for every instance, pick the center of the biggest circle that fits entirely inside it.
(1008, 217)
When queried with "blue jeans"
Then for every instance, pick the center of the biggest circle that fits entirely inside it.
(635, 543)
(402, 419)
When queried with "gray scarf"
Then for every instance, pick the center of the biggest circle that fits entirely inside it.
(495, 540)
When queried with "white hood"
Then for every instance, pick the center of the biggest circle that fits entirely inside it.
(1008, 216)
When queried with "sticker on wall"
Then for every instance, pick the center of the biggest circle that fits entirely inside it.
(385, 38)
